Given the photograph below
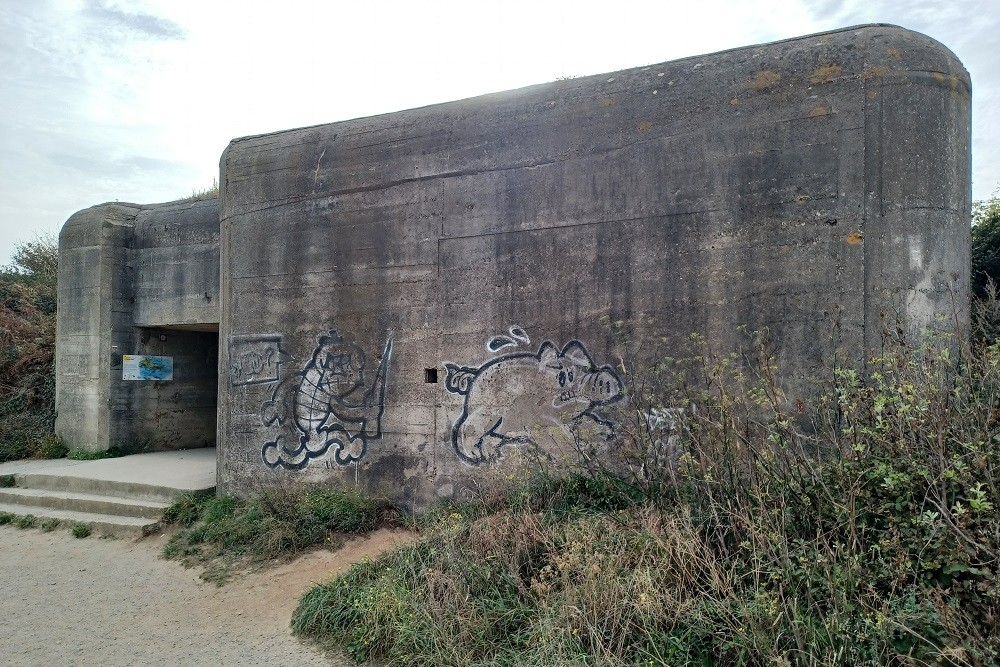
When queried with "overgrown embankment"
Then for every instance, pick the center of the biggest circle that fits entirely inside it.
(862, 530)
(27, 353)
(220, 533)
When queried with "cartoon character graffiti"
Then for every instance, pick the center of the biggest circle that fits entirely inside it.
(329, 404)
(529, 397)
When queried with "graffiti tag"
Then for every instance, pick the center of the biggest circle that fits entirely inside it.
(255, 359)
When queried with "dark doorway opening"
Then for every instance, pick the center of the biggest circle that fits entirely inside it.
(179, 411)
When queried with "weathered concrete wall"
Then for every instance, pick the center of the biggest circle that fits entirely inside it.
(94, 311)
(122, 267)
(176, 260)
(801, 187)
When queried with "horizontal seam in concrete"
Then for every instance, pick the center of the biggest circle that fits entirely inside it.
(284, 288)
(609, 151)
(925, 208)
(473, 172)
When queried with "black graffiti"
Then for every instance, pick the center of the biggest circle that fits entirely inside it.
(528, 397)
(517, 336)
(255, 359)
(328, 406)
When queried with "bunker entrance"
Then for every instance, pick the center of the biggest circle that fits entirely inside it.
(178, 409)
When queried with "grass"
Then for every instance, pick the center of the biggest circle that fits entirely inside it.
(223, 532)
(860, 530)
(88, 455)
(81, 530)
(204, 193)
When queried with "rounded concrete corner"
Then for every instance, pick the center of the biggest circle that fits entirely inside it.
(897, 51)
(84, 227)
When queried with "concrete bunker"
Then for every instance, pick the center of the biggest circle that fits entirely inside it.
(138, 283)
(404, 301)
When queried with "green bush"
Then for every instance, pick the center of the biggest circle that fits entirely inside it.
(27, 345)
(26, 521)
(985, 245)
(860, 530)
(81, 530)
(51, 446)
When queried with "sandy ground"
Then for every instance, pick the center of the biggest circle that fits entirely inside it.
(71, 602)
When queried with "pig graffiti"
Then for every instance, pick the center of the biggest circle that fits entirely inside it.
(529, 397)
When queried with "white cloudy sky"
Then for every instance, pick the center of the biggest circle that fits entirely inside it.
(136, 99)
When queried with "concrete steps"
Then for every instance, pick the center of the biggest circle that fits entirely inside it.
(104, 524)
(73, 486)
(123, 497)
(83, 502)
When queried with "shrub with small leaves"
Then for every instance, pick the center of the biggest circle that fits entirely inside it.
(81, 530)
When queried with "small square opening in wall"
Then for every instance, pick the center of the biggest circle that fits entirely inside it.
(431, 375)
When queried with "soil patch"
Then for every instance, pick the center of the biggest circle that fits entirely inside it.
(118, 603)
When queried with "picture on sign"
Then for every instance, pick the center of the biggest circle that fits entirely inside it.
(142, 367)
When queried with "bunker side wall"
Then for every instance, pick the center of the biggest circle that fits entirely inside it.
(176, 258)
(517, 247)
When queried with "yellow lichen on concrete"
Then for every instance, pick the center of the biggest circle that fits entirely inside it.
(608, 102)
(826, 74)
(764, 79)
(854, 238)
(644, 126)
(877, 71)
(819, 111)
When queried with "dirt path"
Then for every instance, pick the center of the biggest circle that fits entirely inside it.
(116, 603)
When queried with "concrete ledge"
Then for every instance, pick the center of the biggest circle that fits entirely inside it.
(157, 477)
(84, 502)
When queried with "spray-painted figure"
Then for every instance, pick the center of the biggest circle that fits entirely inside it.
(329, 404)
(527, 397)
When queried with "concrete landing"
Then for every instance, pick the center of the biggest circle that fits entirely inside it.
(121, 496)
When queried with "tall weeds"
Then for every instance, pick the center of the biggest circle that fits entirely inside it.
(738, 526)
